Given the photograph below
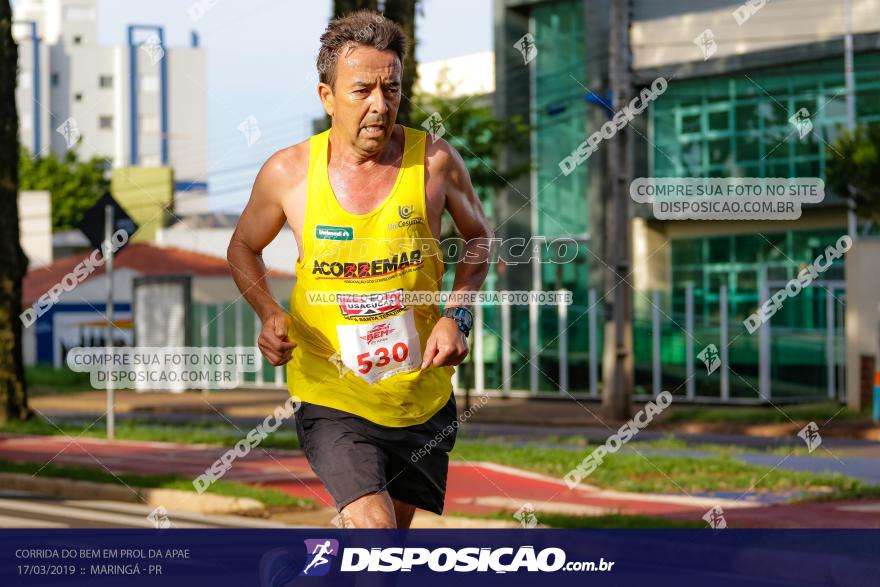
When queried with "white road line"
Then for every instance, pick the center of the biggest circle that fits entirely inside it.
(49, 509)
(10, 522)
(175, 515)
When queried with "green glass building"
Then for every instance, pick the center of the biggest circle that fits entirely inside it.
(728, 116)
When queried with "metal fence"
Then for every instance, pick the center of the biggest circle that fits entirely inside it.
(553, 351)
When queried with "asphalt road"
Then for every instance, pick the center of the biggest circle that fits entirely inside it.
(20, 509)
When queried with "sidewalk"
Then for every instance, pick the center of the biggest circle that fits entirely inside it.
(512, 417)
(473, 488)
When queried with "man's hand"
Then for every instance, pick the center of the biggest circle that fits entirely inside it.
(447, 345)
(273, 340)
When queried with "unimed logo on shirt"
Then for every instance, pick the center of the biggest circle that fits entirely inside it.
(334, 233)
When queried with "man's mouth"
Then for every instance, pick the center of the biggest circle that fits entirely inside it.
(374, 130)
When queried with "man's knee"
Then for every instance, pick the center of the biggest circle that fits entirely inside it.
(369, 511)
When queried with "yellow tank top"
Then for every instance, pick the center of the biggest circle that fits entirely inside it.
(359, 346)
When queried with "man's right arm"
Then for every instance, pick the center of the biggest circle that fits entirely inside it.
(260, 222)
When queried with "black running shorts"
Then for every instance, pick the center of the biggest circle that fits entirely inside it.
(354, 457)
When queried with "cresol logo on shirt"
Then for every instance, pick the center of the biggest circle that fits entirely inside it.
(407, 218)
(334, 233)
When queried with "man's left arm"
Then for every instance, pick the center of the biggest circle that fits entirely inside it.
(447, 345)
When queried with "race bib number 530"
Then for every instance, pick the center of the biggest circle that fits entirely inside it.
(378, 350)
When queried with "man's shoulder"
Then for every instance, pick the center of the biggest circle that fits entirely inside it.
(288, 165)
(441, 158)
(439, 154)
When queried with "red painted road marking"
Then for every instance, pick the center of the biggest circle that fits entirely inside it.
(469, 487)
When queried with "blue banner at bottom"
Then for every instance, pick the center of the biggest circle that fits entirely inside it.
(275, 558)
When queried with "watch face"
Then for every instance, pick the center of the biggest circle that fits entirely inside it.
(465, 318)
(462, 316)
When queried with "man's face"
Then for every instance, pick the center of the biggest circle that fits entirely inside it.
(363, 104)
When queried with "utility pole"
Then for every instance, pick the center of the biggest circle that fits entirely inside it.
(617, 360)
(851, 220)
(108, 342)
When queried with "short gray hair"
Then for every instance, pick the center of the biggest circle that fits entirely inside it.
(364, 27)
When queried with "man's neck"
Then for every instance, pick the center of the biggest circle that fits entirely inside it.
(346, 155)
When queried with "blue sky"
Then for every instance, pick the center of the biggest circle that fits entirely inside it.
(261, 61)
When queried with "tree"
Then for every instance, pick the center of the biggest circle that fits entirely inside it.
(469, 125)
(853, 169)
(75, 185)
(13, 392)
(344, 7)
(403, 12)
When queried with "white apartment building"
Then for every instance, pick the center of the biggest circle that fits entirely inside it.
(140, 104)
(465, 75)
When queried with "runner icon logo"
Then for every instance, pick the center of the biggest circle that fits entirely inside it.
(318, 556)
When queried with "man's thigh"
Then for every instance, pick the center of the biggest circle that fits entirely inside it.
(349, 466)
(355, 458)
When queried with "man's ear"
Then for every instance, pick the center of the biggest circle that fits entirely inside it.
(325, 93)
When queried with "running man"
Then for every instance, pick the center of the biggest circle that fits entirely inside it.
(319, 552)
(363, 198)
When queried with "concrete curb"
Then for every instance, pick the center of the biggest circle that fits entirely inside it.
(776, 430)
(172, 499)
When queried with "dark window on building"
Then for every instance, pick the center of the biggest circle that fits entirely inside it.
(105, 81)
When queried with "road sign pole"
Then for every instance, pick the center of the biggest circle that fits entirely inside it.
(108, 233)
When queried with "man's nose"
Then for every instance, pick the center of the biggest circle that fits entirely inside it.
(379, 104)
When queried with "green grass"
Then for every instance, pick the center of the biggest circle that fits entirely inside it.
(818, 413)
(656, 474)
(623, 471)
(667, 442)
(606, 521)
(855, 493)
(270, 497)
(670, 441)
(46, 380)
(578, 441)
(189, 433)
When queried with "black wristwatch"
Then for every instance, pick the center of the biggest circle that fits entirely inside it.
(462, 316)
